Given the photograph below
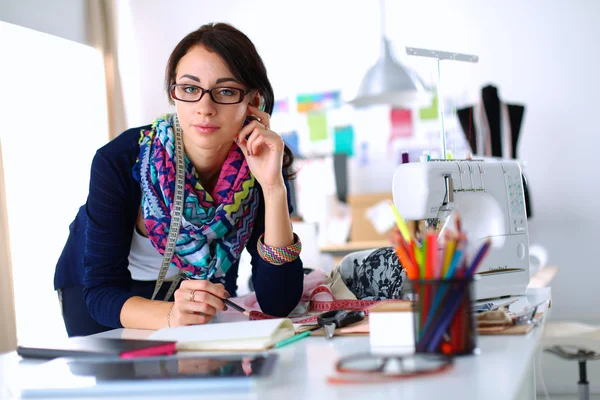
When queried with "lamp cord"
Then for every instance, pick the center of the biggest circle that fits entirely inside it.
(382, 17)
(441, 109)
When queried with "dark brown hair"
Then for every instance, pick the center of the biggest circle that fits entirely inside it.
(242, 59)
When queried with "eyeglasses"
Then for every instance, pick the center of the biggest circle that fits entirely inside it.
(219, 95)
(381, 368)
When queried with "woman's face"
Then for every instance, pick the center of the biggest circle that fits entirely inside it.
(206, 124)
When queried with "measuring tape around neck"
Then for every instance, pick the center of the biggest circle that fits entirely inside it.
(176, 214)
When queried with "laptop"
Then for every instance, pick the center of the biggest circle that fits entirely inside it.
(86, 346)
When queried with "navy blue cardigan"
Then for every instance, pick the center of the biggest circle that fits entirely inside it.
(97, 250)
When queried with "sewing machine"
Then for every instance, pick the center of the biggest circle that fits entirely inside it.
(489, 198)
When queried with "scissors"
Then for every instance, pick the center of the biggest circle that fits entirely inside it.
(331, 320)
(528, 316)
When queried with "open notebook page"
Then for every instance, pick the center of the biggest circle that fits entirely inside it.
(244, 335)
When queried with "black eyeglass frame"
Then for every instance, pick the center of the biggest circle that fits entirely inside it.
(242, 92)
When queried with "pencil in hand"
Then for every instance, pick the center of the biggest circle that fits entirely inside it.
(226, 301)
(231, 304)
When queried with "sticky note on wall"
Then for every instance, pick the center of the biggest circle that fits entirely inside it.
(318, 101)
(291, 140)
(317, 126)
(431, 112)
(344, 140)
(401, 124)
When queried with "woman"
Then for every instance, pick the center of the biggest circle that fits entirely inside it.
(235, 196)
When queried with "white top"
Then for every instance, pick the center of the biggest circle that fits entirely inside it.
(145, 260)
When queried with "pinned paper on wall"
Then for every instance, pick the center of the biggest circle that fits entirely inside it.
(291, 140)
(280, 106)
(344, 139)
(317, 126)
(431, 112)
(318, 101)
(401, 124)
(363, 158)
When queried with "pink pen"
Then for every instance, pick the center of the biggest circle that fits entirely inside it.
(166, 349)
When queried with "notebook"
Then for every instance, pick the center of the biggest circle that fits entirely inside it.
(234, 336)
(92, 346)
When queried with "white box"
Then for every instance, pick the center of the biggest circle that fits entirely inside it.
(391, 327)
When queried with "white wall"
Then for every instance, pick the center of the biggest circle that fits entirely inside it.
(62, 18)
(539, 53)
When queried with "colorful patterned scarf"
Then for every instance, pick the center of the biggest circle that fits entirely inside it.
(214, 229)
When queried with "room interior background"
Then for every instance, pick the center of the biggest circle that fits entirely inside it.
(538, 53)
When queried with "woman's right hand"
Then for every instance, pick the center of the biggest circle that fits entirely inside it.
(197, 302)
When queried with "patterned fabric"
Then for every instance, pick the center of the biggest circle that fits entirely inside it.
(214, 227)
(279, 255)
(373, 274)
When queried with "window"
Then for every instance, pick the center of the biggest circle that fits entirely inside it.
(53, 106)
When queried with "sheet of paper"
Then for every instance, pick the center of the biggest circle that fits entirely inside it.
(318, 101)
(344, 139)
(280, 106)
(317, 126)
(292, 141)
(431, 112)
(381, 216)
(315, 183)
(401, 124)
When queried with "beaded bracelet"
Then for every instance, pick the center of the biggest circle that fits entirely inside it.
(279, 255)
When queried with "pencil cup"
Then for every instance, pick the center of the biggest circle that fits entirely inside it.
(444, 321)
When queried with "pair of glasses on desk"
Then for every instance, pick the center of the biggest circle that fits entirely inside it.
(371, 368)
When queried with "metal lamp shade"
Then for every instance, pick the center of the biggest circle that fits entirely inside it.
(388, 82)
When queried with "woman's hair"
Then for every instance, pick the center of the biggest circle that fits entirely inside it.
(242, 59)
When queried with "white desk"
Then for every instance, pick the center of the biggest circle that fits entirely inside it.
(503, 370)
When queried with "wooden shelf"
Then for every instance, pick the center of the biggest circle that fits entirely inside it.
(354, 246)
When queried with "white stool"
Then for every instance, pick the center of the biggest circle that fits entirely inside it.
(574, 341)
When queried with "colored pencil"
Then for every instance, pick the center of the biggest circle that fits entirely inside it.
(401, 223)
(483, 250)
(292, 339)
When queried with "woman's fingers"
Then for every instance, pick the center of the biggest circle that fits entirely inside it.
(199, 297)
(247, 130)
(265, 118)
(204, 308)
(194, 319)
(255, 143)
(216, 289)
(260, 137)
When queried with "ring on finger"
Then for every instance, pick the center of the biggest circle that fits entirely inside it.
(192, 294)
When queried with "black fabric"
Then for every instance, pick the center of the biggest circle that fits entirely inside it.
(491, 102)
(515, 116)
(378, 276)
(516, 112)
(77, 318)
(465, 116)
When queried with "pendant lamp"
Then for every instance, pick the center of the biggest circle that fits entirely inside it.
(389, 82)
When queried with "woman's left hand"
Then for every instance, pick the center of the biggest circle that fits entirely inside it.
(263, 149)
